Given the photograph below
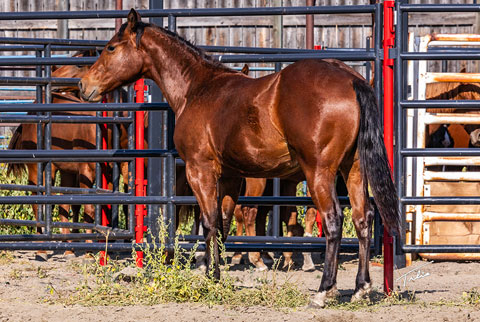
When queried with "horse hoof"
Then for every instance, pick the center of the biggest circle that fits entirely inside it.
(322, 298)
(267, 258)
(288, 264)
(201, 266)
(308, 265)
(237, 259)
(41, 256)
(68, 255)
(261, 267)
(362, 293)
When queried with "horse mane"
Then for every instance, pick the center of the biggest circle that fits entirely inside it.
(140, 29)
(451, 91)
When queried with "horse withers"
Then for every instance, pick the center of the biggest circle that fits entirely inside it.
(230, 126)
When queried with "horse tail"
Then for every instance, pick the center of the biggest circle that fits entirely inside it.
(16, 144)
(373, 158)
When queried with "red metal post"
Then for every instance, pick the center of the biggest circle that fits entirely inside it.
(388, 42)
(139, 168)
(103, 260)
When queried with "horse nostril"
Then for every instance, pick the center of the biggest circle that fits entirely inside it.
(80, 86)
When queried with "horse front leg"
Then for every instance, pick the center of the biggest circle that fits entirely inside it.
(203, 181)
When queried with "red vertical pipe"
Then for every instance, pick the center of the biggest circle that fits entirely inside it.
(388, 42)
(102, 259)
(139, 168)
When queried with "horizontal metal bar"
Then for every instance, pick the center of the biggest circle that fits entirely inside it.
(207, 12)
(11, 80)
(451, 118)
(441, 248)
(64, 237)
(437, 152)
(84, 107)
(29, 47)
(463, 104)
(48, 61)
(451, 176)
(436, 216)
(440, 200)
(35, 188)
(439, 7)
(125, 247)
(270, 239)
(34, 223)
(40, 155)
(129, 199)
(63, 119)
(320, 54)
(469, 161)
(264, 50)
(439, 55)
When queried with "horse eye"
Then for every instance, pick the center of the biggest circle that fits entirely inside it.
(111, 48)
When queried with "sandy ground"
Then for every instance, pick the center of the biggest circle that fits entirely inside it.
(438, 287)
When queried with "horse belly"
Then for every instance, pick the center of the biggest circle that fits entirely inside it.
(262, 162)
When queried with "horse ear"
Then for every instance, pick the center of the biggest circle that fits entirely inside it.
(245, 69)
(133, 18)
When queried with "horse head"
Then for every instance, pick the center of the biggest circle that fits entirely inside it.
(119, 64)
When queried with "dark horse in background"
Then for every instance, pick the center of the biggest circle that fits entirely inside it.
(230, 126)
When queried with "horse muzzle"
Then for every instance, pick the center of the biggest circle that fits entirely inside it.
(89, 93)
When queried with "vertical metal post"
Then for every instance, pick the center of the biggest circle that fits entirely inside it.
(62, 29)
(48, 145)
(309, 26)
(139, 168)
(118, 21)
(98, 168)
(115, 170)
(401, 89)
(378, 83)
(39, 98)
(170, 162)
(388, 63)
(276, 189)
(131, 165)
(154, 184)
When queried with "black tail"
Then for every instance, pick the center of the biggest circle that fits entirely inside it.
(16, 144)
(373, 158)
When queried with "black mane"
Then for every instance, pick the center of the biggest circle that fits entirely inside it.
(140, 28)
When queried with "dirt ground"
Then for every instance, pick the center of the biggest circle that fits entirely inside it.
(438, 287)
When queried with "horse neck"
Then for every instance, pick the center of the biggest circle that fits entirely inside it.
(177, 69)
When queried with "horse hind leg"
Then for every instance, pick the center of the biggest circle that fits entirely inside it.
(310, 215)
(40, 255)
(322, 188)
(66, 180)
(362, 216)
(239, 220)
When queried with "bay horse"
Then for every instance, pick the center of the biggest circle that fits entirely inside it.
(230, 126)
(64, 136)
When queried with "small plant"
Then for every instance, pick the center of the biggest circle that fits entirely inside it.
(172, 278)
(41, 273)
(15, 274)
(6, 257)
(471, 297)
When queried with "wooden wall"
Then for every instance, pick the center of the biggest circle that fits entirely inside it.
(332, 31)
